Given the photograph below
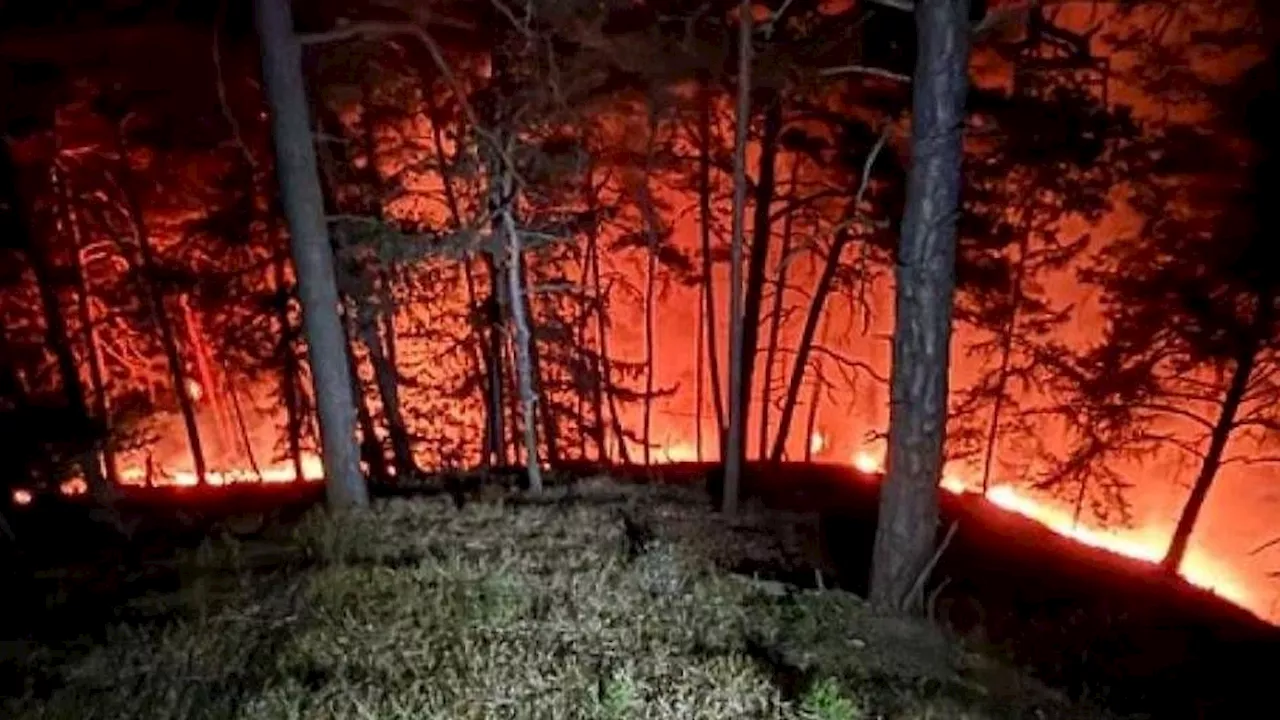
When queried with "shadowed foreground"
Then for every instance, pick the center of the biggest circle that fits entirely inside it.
(598, 601)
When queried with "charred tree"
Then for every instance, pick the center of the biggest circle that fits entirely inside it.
(907, 526)
(303, 204)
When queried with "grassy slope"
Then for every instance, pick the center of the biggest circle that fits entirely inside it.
(555, 609)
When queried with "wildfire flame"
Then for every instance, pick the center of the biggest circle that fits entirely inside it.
(1144, 545)
(817, 443)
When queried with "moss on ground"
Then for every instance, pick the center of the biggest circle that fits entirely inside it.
(597, 601)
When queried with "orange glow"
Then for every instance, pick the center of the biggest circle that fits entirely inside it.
(312, 470)
(1143, 544)
(194, 391)
(678, 452)
(74, 486)
(867, 462)
(22, 497)
(817, 443)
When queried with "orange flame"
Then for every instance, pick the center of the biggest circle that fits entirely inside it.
(1144, 545)
(22, 497)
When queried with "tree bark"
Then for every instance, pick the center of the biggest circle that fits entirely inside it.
(907, 526)
(794, 386)
(313, 256)
(1212, 463)
(775, 316)
(708, 286)
(93, 355)
(734, 446)
(762, 236)
(168, 341)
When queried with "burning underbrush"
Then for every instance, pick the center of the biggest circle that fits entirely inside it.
(598, 601)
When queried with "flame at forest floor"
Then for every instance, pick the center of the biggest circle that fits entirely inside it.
(1144, 544)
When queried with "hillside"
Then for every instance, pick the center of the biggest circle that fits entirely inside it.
(598, 601)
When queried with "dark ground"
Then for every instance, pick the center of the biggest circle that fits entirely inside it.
(1094, 624)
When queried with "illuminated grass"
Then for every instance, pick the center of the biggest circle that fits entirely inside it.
(531, 610)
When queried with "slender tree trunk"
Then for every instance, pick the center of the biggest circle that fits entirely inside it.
(58, 341)
(384, 375)
(705, 220)
(698, 363)
(762, 235)
(652, 225)
(1006, 361)
(523, 341)
(815, 397)
(775, 314)
(93, 354)
(1212, 463)
(734, 446)
(168, 340)
(546, 411)
(290, 369)
(602, 337)
(908, 519)
(814, 316)
(370, 446)
(317, 285)
(244, 429)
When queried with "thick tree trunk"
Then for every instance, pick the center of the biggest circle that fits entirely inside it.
(907, 526)
(734, 445)
(705, 219)
(762, 236)
(1212, 463)
(313, 256)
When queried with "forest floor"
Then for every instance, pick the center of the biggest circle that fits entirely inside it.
(595, 600)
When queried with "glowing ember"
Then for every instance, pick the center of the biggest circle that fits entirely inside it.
(312, 470)
(867, 462)
(194, 391)
(22, 497)
(817, 443)
(74, 486)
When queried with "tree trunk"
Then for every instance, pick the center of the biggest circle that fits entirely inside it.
(372, 454)
(734, 448)
(605, 368)
(762, 236)
(93, 354)
(523, 341)
(313, 256)
(385, 377)
(289, 366)
(708, 283)
(168, 341)
(546, 412)
(1212, 463)
(1006, 360)
(815, 397)
(820, 293)
(907, 526)
(775, 315)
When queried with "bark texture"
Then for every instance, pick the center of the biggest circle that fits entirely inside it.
(312, 254)
(907, 527)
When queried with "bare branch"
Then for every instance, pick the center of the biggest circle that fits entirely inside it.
(864, 70)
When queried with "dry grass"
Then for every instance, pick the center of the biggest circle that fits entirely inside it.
(554, 609)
